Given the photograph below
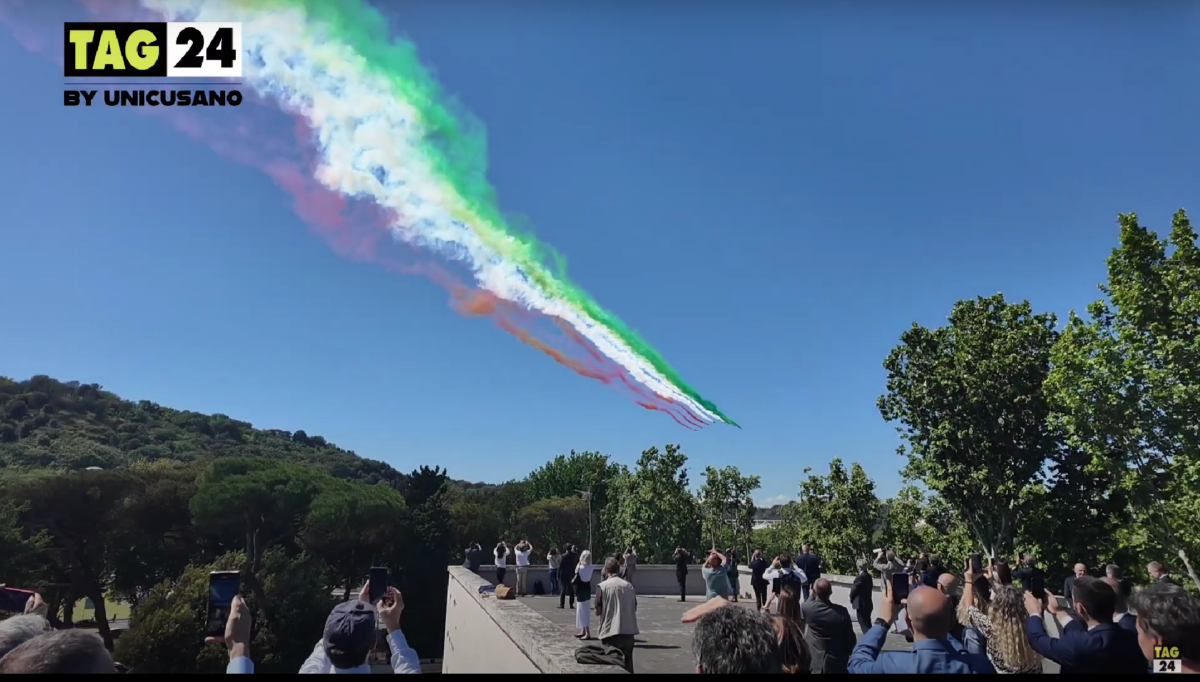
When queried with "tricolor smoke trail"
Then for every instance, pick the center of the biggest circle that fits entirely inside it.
(386, 134)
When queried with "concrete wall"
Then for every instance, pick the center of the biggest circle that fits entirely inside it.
(650, 579)
(486, 635)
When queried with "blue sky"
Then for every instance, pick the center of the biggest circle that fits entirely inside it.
(769, 192)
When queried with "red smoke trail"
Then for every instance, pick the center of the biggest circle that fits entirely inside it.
(638, 389)
(353, 229)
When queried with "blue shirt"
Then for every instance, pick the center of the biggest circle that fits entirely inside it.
(928, 657)
(716, 582)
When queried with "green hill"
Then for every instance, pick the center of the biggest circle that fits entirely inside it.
(51, 424)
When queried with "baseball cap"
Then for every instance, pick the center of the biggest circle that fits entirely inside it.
(350, 632)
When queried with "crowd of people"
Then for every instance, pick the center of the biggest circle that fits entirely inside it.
(977, 621)
(30, 645)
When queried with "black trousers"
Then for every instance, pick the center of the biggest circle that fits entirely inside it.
(760, 593)
(682, 578)
(864, 619)
(568, 591)
(500, 573)
(805, 589)
(625, 644)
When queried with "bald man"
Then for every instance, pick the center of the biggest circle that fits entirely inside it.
(934, 651)
(829, 632)
(946, 583)
(1069, 584)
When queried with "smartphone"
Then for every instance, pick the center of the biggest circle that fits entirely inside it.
(13, 600)
(223, 586)
(900, 587)
(1037, 585)
(379, 584)
(976, 563)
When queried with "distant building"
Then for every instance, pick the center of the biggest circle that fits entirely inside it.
(760, 524)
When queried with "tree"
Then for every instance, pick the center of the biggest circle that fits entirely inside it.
(20, 551)
(566, 475)
(79, 513)
(424, 557)
(166, 630)
(727, 506)
(253, 505)
(349, 525)
(970, 403)
(917, 523)
(1126, 386)
(653, 508)
(839, 514)
(555, 522)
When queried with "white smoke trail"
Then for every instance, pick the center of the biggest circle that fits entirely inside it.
(370, 141)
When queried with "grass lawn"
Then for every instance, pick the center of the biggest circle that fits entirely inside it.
(121, 611)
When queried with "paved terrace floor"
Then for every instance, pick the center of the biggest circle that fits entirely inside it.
(665, 644)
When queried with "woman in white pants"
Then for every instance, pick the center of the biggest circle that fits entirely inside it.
(582, 584)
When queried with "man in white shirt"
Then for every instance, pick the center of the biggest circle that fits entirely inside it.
(616, 605)
(524, 549)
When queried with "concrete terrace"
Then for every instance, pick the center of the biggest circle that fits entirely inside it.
(665, 644)
(532, 635)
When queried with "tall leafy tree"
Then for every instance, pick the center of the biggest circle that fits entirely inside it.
(727, 506)
(653, 506)
(79, 513)
(838, 513)
(425, 556)
(253, 505)
(916, 522)
(555, 522)
(350, 525)
(1126, 385)
(567, 475)
(972, 412)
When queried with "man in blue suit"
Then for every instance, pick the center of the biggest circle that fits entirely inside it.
(1095, 646)
(934, 651)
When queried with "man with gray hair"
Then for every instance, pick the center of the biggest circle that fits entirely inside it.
(1158, 573)
(616, 605)
(69, 652)
(20, 629)
(735, 641)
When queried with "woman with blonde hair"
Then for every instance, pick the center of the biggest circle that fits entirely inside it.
(794, 656)
(582, 584)
(1004, 627)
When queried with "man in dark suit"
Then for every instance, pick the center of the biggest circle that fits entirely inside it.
(1122, 617)
(1097, 646)
(566, 573)
(829, 632)
(862, 597)
(810, 564)
(1114, 571)
(1159, 574)
(1069, 583)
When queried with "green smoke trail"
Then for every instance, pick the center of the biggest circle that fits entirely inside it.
(457, 150)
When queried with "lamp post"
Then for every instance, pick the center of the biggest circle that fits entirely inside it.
(587, 495)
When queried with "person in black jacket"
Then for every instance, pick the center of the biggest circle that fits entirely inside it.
(862, 598)
(810, 565)
(758, 566)
(1095, 646)
(682, 559)
(566, 572)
